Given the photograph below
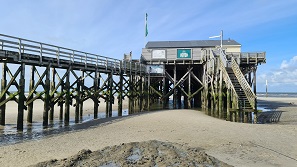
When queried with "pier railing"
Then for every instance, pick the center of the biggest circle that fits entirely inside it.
(244, 84)
(25, 46)
(247, 57)
(222, 65)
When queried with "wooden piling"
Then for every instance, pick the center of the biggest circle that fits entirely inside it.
(67, 98)
(120, 93)
(228, 105)
(61, 101)
(164, 92)
(78, 99)
(81, 103)
(95, 98)
(21, 105)
(110, 95)
(189, 88)
(52, 89)
(29, 98)
(220, 109)
(46, 101)
(3, 86)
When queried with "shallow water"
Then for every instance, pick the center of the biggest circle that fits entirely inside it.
(35, 131)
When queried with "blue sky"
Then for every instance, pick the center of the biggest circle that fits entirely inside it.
(113, 27)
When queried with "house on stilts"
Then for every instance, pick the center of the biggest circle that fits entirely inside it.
(210, 74)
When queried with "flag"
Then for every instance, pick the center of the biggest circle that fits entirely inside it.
(146, 30)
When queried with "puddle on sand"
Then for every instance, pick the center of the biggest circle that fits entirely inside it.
(36, 131)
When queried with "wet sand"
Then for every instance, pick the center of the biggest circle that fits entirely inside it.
(237, 144)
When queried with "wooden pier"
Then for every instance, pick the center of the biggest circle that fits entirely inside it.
(62, 79)
(190, 74)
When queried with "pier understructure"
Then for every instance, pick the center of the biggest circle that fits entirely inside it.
(180, 74)
(67, 78)
(200, 74)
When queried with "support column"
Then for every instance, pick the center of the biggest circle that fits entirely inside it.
(21, 105)
(189, 89)
(255, 91)
(148, 94)
(61, 101)
(77, 99)
(52, 105)
(110, 98)
(46, 106)
(111, 95)
(140, 93)
(164, 92)
(228, 105)
(67, 99)
(3, 86)
(95, 98)
(81, 105)
(221, 95)
(174, 91)
(30, 105)
(120, 93)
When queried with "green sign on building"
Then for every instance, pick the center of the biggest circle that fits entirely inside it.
(183, 53)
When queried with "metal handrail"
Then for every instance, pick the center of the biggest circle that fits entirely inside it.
(244, 84)
(21, 45)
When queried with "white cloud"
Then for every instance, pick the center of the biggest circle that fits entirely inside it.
(283, 78)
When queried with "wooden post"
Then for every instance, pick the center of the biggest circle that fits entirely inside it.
(20, 121)
(131, 94)
(95, 98)
(255, 91)
(110, 96)
(78, 99)
(221, 95)
(61, 102)
(120, 93)
(140, 93)
(3, 86)
(46, 97)
(189, 89)
(228, 105)
(174, 83)
(164, 92)
(82, 84)
(31, 87)
(67, 99)
(52, 105)
(149, 92)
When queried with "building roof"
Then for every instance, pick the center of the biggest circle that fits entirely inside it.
(189, 44)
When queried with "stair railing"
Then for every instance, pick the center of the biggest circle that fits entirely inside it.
(244, 84)
(226, 78)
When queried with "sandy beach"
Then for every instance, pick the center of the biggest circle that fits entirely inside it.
(236, 144)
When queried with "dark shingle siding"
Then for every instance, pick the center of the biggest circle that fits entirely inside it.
(189, 44)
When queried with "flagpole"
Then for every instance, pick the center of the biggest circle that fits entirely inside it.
(145, 28)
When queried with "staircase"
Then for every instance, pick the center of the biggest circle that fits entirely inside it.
(232, 75)
(242, 98)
